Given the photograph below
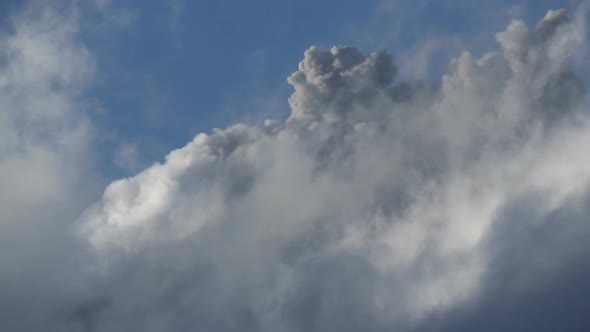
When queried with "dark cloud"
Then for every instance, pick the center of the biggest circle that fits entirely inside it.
(538, 271)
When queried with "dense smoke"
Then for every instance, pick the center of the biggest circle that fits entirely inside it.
(379, 205)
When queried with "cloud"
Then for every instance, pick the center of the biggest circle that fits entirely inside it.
(45, 168)
(377, 205)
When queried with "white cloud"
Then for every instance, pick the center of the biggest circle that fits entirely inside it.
(372, 208)
(44, 163)
(376, 206)
(44, 130)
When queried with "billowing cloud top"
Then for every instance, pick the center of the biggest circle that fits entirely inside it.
(378, 205)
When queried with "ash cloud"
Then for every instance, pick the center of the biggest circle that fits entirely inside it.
(377, 205)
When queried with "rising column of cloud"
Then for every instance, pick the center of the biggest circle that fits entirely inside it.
(377, 205)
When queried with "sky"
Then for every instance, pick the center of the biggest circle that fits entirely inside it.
(294, 165)
(164, 65)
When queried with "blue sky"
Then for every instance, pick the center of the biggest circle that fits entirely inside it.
(171, 69)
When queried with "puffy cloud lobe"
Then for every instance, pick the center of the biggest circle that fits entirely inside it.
(334, 89)
(329, 82)
(550, 44)
(145, 207)
(377, 206)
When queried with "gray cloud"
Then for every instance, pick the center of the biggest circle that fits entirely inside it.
(378, 205)
(45, 170)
